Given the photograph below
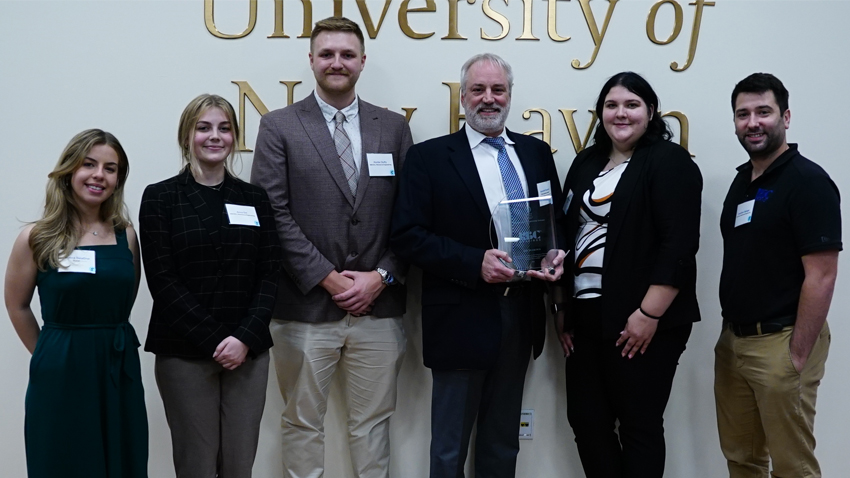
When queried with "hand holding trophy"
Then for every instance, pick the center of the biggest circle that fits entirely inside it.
(525, 231)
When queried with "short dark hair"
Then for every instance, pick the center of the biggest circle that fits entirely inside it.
(337, 24)
(656, 128)
(761, 83)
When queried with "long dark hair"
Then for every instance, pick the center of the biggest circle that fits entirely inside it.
(655, 129)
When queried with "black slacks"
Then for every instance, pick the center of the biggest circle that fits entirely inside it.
(493, 397)
(604, 387)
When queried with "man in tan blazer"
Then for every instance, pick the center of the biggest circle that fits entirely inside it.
(329, 164)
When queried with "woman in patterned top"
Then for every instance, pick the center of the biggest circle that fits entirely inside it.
(632, 205)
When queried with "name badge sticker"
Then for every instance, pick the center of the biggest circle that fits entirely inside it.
(568, 200)
(380, 164)
(79, 261)
(544, 189)
(242, 215)
(745, 212)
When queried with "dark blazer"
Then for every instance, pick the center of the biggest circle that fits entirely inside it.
(441, 223)
(207, 284)
(653, 230)
(321, 226)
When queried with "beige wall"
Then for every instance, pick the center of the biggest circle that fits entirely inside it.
(131, 66)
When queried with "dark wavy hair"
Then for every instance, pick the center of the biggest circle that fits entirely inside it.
(761, 83)
(656, 128)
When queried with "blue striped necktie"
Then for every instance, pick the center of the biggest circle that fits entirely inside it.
(519, 210)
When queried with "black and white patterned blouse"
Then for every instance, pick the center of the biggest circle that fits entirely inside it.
(590, 240)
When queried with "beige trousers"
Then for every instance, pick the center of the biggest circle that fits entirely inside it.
(765, 408)
(368, 352)
(214, 414)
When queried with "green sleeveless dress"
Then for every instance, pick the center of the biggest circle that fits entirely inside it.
(85, 405)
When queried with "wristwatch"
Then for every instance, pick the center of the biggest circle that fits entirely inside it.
(386, 277)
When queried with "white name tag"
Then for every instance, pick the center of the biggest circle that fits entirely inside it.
(242, 215)
(545, 189)
(568, 200)
(745, 212)
(80, 261)
(380, 164)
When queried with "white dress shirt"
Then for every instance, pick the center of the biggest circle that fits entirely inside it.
(486, 160)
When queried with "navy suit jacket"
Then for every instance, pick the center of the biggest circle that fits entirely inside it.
(441, 223)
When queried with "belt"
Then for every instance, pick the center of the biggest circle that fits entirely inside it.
(761, 328)
(124, 333)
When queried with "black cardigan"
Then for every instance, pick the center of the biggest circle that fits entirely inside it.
(653, 231)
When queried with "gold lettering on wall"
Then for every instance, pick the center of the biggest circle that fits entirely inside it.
(578, 143)
(454, 106)
(408, 113)
(209, 20)
(453, 33)
(677, 23)
(594, 30)
(290, 90)
(307, 23)
(404, 23)
(552, 21)
(371, 29)
(496, 17)
(692, 48)
(246, 91)
(545, 132)
(684, 127)
(526, 21)
(278, 21)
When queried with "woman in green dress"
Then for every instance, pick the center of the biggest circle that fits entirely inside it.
(85, 408)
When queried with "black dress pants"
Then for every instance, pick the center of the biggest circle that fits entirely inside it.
(603, 387)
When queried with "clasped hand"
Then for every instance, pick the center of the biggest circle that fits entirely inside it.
(363, 288)
(230, 353)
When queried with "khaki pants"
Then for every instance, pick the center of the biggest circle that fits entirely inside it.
(765, 408)
(368, 352)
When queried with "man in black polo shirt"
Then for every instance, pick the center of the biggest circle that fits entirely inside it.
(781, 225)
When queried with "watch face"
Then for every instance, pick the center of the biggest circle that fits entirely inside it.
(386, 277)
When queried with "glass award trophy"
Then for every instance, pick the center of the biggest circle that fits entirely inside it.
(525, 231)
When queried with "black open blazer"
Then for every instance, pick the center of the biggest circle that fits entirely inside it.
(441, 224)
(653, 230)
(207, 284)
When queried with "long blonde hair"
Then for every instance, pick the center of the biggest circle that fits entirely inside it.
(189, 119)
(56, 234)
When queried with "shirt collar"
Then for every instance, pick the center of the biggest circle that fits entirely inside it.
(777, 163)
(329, 111)
(475, 137)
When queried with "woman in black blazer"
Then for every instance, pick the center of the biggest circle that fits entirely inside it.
(211, 255)
(632, 206)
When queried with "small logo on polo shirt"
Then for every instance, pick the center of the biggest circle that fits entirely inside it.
(763, 194)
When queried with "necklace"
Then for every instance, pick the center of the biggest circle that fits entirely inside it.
(217, 187)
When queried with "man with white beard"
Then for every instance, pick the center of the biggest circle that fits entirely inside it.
(479, 325)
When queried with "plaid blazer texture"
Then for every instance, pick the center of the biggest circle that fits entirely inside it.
(206, 283)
